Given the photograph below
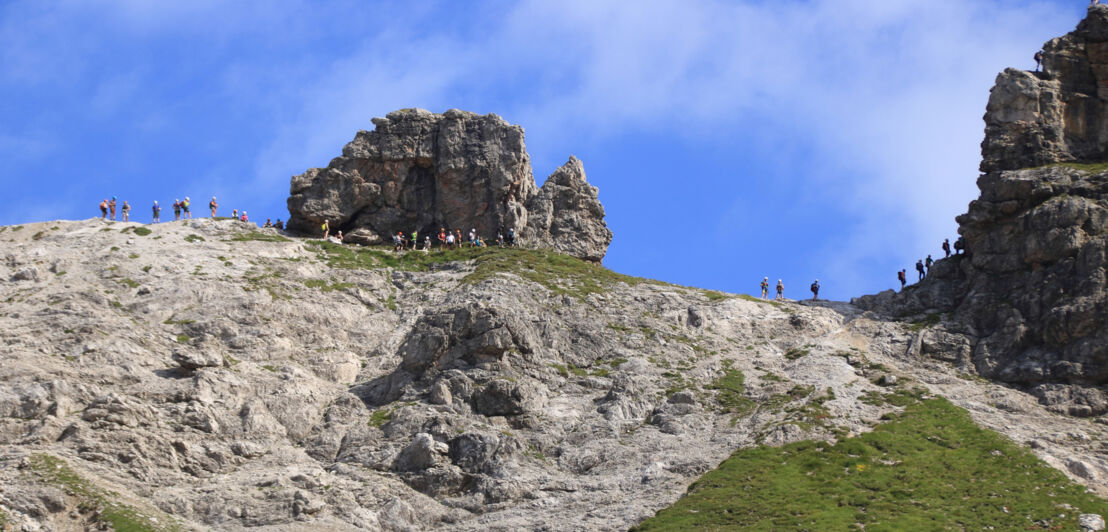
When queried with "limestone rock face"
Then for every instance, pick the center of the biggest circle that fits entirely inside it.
(1059, 114)
(1031, 295)
(421, 171)
(567, 216)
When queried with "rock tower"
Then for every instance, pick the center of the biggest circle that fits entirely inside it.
(1029, 301)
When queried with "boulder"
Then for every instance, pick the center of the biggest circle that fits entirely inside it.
(567, 216)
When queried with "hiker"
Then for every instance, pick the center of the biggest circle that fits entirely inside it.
(186, 212)
(338, 236)
(157, 211)
(104, 209)
(398, 242)
(959, 245)
(1038, 60)
(919, 268)
(176, 209)
(415, 240)
(268, 224)
(126, 210)
(499, 238)
(902, 276)
(234, 214)
(111, 208)
(473, 237)
(213, 206)
(814, 288)
(458, 237)
(477, 242)
(946, 246)
(244, 218)
(450, 240)
(326, 227)
(928, 263)
(279, 225)
(426, 244)
(442, 238)
(765, 287)
(511, 238)
(781, 290)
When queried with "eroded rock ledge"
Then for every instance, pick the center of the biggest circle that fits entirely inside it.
(419, 171)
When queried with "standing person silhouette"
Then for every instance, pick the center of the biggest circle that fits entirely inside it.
(781, 290)
(946, 246)
(815, 290)
(213, 206)
(157, 210)
(765, 287)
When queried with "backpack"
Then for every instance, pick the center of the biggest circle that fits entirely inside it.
(815, 287)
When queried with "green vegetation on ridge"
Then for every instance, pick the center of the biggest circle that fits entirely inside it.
(561, 274)
(101, 504)
(931, 468)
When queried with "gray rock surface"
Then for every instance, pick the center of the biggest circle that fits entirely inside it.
(404, 400)
(1027, 304)
(421, 171)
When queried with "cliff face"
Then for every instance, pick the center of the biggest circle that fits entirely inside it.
(420, 171)
(1059, 114)
(1030, 299)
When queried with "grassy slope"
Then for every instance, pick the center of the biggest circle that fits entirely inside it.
(930, 469)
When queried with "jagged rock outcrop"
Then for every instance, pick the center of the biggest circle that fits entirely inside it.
(567, 216)
(421, 171)
(1031, 295)
(1059, 114)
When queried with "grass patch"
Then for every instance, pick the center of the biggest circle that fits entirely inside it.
(141, 231)
(561, 274)
(322, 285)
(269, 367)
(775, 304)
(795, 352)
(130, 283)
(17, 228)
(729, 390)
(99, 504)
(617, 362)
(38, 235)
(146, 268)
(1092, 168)
(931, 468)
(714, 295)
(259, 236)
(379, 417)
(930, 321)
(183, 338)
(194, 238)
(114, 248)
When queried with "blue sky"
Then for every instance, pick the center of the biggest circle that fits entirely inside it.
(830, 139)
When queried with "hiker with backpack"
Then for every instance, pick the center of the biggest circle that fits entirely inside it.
(511, 238)
(959, 245)
(326, 227)
(946, 246)
(902, 276)
(927, 263)
(104, 209)
(111, 208)
(176, 209)
(244, 217)
(814, 288)
(1038, 60)
(765, 287)
(919, 268)
(415, 240)
(781, 290)
(213, 206)
(157, 211)
(126, 210)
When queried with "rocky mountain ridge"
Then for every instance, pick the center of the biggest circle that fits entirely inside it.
(207, 375)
